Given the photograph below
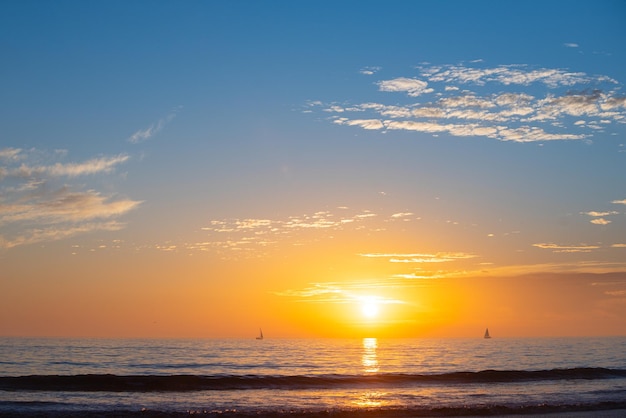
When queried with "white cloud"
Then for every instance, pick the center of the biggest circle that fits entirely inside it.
(56, 232)
(619, 202)
(147, 133)
(363, 123)
(570, 45)
(250, 234)
(507, 75)
(402, 215)
(93, 166)
(600, 221)
(10, 153)
(38, 202)
(89, 167)
(412, 86)
(456, 100)
(369, 70)
(64, 206)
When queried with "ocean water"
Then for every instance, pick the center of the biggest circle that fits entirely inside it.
(310, 377)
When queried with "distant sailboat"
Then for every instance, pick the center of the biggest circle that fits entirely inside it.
(487, 333)
(260, 337)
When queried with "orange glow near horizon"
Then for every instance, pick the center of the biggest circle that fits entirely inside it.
(296, 295)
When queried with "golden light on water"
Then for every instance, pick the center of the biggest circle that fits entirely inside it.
(373, 399)
(369, 359)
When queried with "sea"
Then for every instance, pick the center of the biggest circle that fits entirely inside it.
(366, 377)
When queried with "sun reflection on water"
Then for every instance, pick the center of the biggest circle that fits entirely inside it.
(369, 360)
(373, 399)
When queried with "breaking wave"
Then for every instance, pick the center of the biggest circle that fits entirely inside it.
(174, 383)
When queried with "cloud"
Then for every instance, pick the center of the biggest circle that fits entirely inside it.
(598, 214)
(413, 87)
(618, 293)
(402, 215)
(147, 133)
(442, 257)
(599, 217)
(10, 154)
(54, 233)
(249, 235)
(28, 170)
(619, 202)
(369, 70)
(570, 45)
(506, 103)
(64, 206)
(341, 293)
(39, 203)
(507, 75)
(93, 166)
(581, 248)
(374, 124)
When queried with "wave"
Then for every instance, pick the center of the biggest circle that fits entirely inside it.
(181, 383)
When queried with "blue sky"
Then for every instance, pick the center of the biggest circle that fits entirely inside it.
(486, 135)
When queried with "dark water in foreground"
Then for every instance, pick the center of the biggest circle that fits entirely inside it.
(310, 378)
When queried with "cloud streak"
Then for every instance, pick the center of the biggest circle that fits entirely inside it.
(341, 293)
(508, 103)
(249, 235)
(37, 203)
(557, 248)
(147, 133)
(441, 257)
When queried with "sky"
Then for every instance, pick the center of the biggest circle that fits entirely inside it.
(201, 169)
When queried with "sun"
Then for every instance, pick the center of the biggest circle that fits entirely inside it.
(369, 308)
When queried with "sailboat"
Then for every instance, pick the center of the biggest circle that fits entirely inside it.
(260, 337)
(487, 333)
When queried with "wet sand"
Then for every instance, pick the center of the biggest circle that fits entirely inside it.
(611, 413)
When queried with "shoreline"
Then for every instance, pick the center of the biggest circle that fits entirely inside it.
(606, 413)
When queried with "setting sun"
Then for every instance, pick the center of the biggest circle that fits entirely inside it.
(369, 308)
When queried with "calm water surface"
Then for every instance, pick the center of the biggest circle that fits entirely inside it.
(270, 377)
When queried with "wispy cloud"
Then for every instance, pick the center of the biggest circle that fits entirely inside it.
(570, 45)
(342, 293)
(147, 133)
(598, 214)
(9, 154)
(249, 235)
(508, 103)
(370, 70)
(64, 206)
(557, 248)
(56, 232)
(442, 257)
(39, 203)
